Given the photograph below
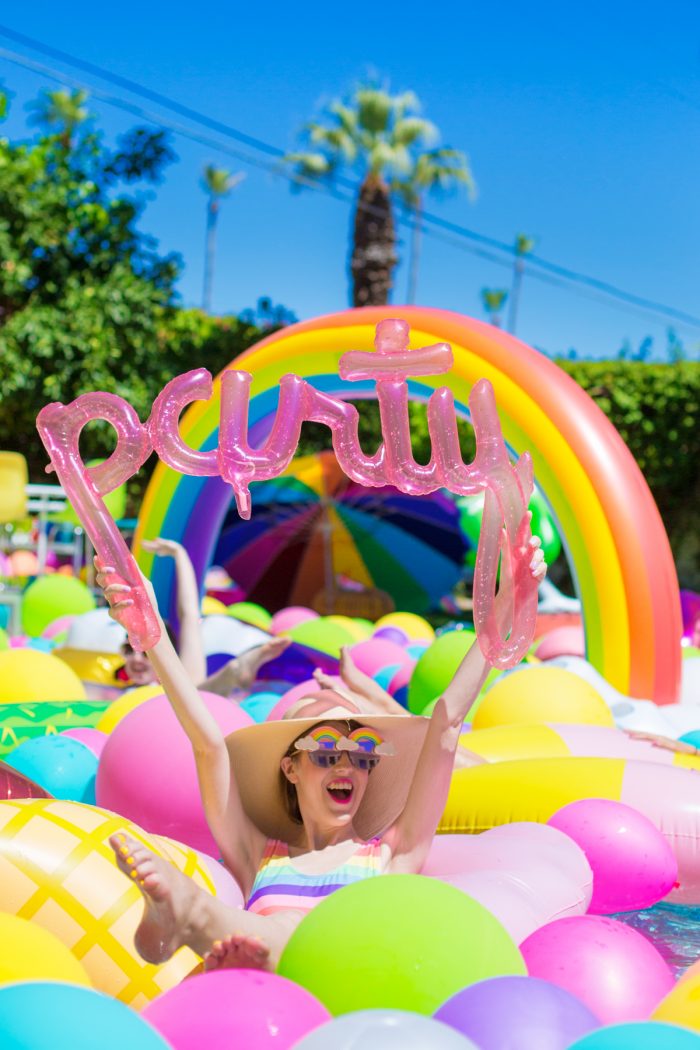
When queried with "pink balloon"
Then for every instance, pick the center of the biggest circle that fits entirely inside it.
(60, 427)
(633, 864)
(287, 618)
(308, 688)
(57, 626)
(568, 640)
(226, 1009)
(93, 739)
(147, 770)
(401, 678)
(612, 968)
(374, 654)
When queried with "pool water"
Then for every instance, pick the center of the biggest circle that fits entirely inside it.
(673, 928)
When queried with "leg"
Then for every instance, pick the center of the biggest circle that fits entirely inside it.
(178, 912)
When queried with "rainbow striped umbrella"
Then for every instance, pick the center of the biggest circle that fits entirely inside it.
(312, 527)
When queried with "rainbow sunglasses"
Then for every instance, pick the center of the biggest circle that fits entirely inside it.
(326, 745)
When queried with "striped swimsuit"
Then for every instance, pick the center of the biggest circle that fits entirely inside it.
(279, 885)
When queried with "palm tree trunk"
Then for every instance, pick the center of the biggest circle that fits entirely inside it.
(373, 253)
(210, 249)
(415, 252)
(518, 270)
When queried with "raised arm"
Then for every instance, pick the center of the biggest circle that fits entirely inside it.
(240, 842)
(191, 649)
(411, 835)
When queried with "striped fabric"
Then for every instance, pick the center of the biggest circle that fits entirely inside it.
(280, 885)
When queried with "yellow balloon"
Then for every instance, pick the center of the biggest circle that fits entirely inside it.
(357, 631)
(31, 953)
(542, 694)
(126, 703)
(682, 1004)
(212, 606)
(413, 626)
(58, 869)
(91, 666)
(27, 675)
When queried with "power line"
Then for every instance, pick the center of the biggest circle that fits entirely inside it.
(432, 222)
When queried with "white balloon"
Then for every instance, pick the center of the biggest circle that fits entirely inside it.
(384, 1030)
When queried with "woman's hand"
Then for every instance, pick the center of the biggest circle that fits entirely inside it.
(162, 548)
(118, 595)
(664, 742)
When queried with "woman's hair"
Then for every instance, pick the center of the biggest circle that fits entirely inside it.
(289, 791)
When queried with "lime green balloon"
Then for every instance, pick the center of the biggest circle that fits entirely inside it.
(402, 942)
(50, 597)
(324, 635)
(689, 652)
(4, 640)
(251, 613)
(436, 667)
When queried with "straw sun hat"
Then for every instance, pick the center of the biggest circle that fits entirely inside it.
(256, 752)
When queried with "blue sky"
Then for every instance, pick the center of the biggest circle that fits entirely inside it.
(581, 121)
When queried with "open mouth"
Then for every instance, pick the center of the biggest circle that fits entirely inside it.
(340, 790)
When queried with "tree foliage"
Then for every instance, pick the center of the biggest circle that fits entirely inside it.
(86, 301)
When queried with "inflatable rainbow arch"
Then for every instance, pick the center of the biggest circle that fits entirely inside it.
(611, 529)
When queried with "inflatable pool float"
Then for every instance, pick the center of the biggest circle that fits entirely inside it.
(489, 795)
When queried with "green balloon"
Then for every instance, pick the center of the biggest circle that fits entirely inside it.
(436, 667)
(4, 640)
(470, 509)
(250, 612)
(50, 597)
(402, 942)
(321, 634)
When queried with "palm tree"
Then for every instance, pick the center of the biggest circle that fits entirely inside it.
(65, 110)
(378, 134)
(523, 246)
(492, 300)
(435, 171)
(217, 183)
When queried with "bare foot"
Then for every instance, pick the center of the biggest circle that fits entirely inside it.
(239, 951)
(248, 665)
(168, 896)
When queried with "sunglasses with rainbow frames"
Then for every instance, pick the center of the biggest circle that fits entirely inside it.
(325, 746)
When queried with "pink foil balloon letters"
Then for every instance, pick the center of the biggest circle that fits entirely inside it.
(505, 532)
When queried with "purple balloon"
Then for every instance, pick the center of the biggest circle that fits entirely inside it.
(391, 634)
(518, 1013)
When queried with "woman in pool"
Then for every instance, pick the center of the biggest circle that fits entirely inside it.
(299, 807)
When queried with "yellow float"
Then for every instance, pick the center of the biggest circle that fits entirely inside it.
(58, 871)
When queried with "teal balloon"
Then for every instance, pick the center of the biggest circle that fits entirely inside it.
(64, 767)
(46, 1015)
(639, 1035)
(259, 705)
(692, 738)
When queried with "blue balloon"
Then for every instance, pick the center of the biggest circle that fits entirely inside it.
(46, 1015)
(259, 705)
(416, 649)
(384, 675)
(64, 767)
(639, 1035)
(693, 738)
